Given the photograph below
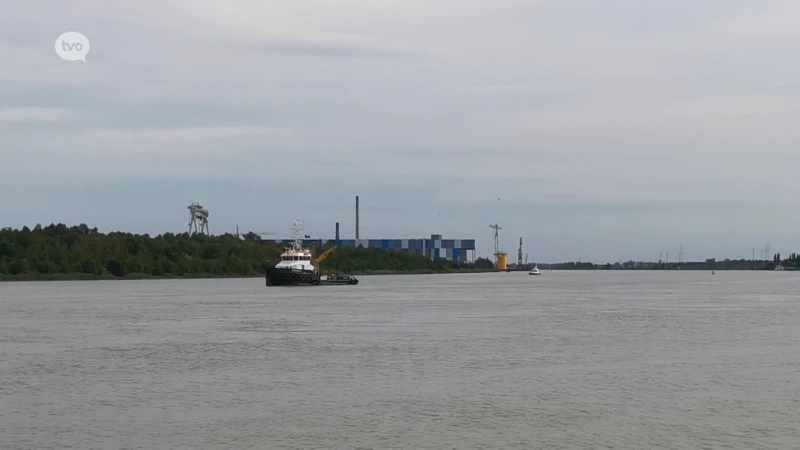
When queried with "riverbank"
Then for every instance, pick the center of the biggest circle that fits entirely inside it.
(58, 252)
(107, 277)
(144, 276)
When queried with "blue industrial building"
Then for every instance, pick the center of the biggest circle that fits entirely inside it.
(457, 250)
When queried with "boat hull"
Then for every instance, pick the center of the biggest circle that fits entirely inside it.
(291, 277)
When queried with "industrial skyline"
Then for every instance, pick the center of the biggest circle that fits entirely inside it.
(481, 242)
(455, 249)
(471, 247)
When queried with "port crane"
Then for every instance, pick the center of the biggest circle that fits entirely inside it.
(324, 255)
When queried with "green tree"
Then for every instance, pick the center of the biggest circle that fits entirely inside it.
(19, 267)
(116, 267)
(89, 265)
(7, 249)
(484, 263)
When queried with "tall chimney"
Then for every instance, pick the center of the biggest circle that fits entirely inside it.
(356, 217)
(337, 231)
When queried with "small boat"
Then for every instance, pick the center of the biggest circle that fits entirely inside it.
(535, 270)
(338, 279)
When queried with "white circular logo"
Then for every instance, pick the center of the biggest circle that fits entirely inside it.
(72, 46)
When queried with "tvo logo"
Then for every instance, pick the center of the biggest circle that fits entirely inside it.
(72, 46)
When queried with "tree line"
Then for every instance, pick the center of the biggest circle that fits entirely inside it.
(63, 252)
(710, 264)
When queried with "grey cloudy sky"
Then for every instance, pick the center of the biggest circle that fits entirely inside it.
(593, 129)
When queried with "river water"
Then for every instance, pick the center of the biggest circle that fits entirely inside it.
(566, 360)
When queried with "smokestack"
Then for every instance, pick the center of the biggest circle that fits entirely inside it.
(337, 231)
(356, 217)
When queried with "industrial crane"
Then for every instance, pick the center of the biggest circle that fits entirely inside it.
(324, 255)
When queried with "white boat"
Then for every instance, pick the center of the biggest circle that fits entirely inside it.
(296, 266)
(535, 270)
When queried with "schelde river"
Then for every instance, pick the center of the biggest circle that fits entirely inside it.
(566, 360)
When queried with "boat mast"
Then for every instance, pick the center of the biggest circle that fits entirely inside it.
(297, 227)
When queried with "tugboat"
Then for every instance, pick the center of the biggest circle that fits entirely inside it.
(296, 266)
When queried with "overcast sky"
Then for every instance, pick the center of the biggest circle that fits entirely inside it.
(594, 129)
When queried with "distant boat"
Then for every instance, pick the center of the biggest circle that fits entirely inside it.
(535, 270)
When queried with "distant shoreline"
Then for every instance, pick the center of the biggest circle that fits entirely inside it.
(139, 276)
(59, 252)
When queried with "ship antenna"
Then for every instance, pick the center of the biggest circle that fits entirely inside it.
(296, 229)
